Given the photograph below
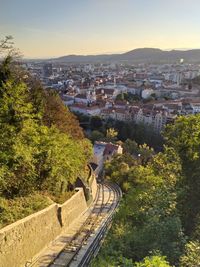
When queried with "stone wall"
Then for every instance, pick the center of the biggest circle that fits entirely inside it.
(22, 240)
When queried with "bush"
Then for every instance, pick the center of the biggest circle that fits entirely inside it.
(15, 209)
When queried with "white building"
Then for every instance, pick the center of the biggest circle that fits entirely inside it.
(104, 151)
(86, 110)
(146, 93)
(195, 107)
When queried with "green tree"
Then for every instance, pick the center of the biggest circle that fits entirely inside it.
(148, 219)
(55, 113)
(131, 147)
(60, 160)
(96, 136)
(191, 258)
(34, 156)
(154, 261)
(145, 153)
(96, 122)
(117, 170)
(184, 137)
(111, 135)
(18, 136)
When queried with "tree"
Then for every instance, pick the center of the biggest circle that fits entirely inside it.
(55, 113)
(34, 156)
(96, 136)
(120, 96)
(117, 170)
(145, 153)
(148, 218)
(96, 122)
(18, 135)
(153, 261)
(191, 258)
(111, 135)
(184, 137)
(37, 95)
(60, 160)
(6, 44)
(130, 147)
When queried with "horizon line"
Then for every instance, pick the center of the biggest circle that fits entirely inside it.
(108, 53)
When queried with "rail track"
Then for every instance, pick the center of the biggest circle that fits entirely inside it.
(95, 245)
(86, 242)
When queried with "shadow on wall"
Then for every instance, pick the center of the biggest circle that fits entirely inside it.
(59, 216)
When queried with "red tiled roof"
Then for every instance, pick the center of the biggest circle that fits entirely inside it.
(79, 105)
(109, 149)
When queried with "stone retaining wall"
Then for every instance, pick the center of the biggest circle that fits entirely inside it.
(73, 208)
(22, 240)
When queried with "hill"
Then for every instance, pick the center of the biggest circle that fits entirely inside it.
(140, 55)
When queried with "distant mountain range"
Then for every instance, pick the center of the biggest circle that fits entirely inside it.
(149, 55)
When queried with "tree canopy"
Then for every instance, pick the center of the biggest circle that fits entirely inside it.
(184, 137)
(42, 146)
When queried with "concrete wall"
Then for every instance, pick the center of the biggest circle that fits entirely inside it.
(94, 187)
(92, 183)
(22, 240)
(73, 208)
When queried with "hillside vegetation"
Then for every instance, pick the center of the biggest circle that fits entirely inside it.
(42, 147)
(157, 223)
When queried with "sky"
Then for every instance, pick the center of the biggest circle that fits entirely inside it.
(51, 28)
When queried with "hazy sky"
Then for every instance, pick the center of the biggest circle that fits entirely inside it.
(43, 28)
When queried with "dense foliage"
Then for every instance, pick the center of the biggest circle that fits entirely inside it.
(12, 210)
(42, 147)
(184, 136)
(159, 214)
(131, 98)
(96, 129)
(55, 113)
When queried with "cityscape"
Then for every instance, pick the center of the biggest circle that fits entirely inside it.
(99, 133)
(153, 94)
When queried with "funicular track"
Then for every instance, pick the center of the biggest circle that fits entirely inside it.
(107, 199)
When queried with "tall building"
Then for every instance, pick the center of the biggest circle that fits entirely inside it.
(47, 70)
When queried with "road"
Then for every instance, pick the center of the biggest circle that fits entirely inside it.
(87, 241)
